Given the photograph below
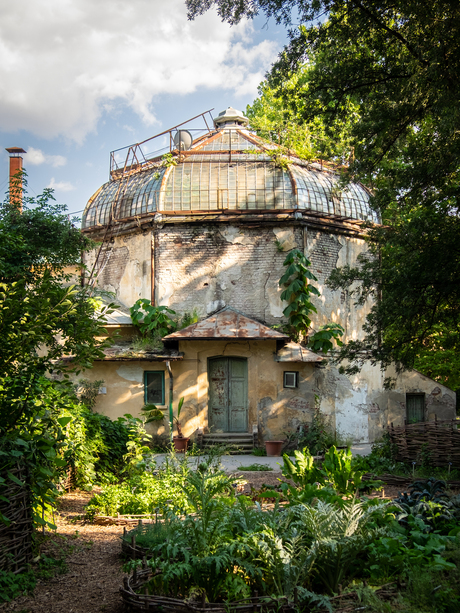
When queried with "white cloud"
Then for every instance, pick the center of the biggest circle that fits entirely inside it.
(60, 186)
(64, 63)
(35, 157)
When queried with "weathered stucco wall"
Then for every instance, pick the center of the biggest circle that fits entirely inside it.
(206, 267)
(327, 252)
(124, 387)
(125, 267)
(209, 267)
(361, 408)
(275, 409)
(358, 407)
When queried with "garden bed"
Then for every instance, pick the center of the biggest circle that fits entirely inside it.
(405, 481)
(135, 601)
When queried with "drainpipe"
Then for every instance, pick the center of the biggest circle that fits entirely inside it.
(16, 176)
(171, 388)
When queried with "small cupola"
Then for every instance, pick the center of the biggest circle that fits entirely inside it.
(230, 117)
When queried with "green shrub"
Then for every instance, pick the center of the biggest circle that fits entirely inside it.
(13, 585)
(337, 470)
(101, 450)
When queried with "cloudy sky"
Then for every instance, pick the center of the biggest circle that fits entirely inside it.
(79, 78)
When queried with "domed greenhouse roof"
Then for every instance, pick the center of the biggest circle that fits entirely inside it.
(227, 169)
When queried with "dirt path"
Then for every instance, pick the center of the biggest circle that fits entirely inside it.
(94, 573)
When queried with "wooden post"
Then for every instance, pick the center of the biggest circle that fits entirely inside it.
(171, 391)
(133, 545)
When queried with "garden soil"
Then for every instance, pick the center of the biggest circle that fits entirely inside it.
(92, 552)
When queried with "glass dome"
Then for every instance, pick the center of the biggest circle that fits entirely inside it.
(231, 169)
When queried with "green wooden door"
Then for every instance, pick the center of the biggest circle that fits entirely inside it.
(228, 394)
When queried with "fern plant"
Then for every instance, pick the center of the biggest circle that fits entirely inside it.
(336, 537)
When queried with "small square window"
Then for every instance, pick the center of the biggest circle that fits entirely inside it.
(154, 387)
(291, 379)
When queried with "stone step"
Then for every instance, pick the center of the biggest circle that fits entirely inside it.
(227, 435)
(237, 441)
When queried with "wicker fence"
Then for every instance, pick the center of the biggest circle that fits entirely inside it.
(436, 443)
(16, 537)
(136, 597)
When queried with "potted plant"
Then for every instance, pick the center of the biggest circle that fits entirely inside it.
(273, 448)
(180, 441)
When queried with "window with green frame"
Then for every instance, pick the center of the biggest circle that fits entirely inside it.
(415, 408)
(154, 387)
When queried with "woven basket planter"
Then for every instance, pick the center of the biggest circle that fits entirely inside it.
(135, 601)
(16, 537)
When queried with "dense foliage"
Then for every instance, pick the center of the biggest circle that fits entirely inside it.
(154, 322)
(309, 139)
(396, 63)
(43, 319)
(145, 491)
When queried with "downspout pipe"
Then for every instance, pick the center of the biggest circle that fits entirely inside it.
(171, 392)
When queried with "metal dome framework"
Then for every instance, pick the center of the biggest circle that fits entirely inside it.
(226, 169)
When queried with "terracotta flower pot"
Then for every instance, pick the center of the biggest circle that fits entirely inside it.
(180, 443)
(273, 448)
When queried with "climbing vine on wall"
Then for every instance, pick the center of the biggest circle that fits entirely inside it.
(299, 288)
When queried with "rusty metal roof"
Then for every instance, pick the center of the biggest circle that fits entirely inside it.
(126, 352)
(293, 352)
(227, 324)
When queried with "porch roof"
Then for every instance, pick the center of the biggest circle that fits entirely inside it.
(227, 324)
(125, 352)
(293, 352)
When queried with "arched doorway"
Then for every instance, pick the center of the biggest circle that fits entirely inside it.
(228, 394)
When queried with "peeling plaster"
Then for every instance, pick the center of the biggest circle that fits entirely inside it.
(131, 372)
(350, 417)
(131, 283)
(286, 238)
(273, 294)
(233, 235)
(164, 294)
(214, 306)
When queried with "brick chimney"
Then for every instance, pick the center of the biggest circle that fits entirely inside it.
(15, 176)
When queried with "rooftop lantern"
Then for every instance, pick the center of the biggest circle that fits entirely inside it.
(230, 117)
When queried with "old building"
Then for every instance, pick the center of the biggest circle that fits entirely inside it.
(207, 228)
